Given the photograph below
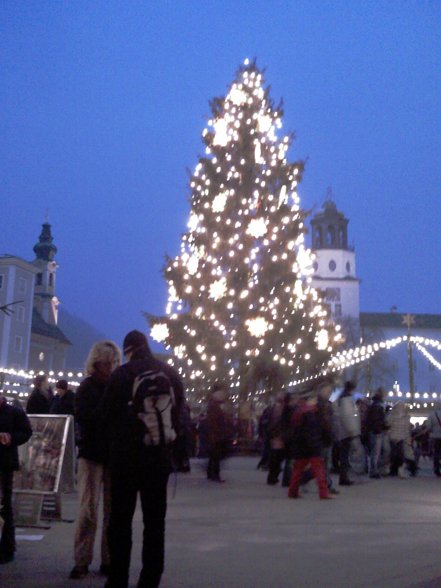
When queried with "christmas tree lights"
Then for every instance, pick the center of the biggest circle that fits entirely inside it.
(240, 303)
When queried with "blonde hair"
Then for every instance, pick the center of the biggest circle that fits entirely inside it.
(103, 351)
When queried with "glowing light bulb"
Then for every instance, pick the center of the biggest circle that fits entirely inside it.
(257, 326)
(257, 228)
(159, 332)
(218, 289)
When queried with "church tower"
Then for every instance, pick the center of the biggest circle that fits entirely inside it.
(44, 298)
(334, 266)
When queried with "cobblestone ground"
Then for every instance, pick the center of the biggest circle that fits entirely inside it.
(245, 534)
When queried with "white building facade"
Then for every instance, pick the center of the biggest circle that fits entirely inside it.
(17, 279)
(401, 369)
(29, 334)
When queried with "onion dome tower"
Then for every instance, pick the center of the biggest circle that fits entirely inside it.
(45, 300)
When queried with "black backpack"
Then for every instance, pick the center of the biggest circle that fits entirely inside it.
(153, 405)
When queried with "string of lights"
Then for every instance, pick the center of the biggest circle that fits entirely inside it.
(239, 292)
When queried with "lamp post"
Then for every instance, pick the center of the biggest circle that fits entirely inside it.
(408, 320)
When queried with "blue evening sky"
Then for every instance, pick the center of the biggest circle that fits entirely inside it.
(103, 104)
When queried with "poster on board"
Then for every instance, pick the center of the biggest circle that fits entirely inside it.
(47, 459)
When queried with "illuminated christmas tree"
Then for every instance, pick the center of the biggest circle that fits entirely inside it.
(240, 308)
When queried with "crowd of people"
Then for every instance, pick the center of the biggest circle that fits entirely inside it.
(310, 436)
(133, 427)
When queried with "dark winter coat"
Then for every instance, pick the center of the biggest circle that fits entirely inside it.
(264, 420)
(307, 432)
(63, 404)
(39, 403)
(90, 436)
(326, 415)
(13, 420)
(376, 417)
(127, 453)
(218, 424)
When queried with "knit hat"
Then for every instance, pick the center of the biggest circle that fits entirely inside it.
(61, 385)
(133, 341)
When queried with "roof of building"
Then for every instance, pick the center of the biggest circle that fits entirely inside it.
(396, 320)
(41, 327)
(8, 259)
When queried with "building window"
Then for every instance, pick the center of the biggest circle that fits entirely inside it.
(39, 279)
(51, 279)
(21, 285)
(337, 312)
(18, 344)
(341, 238)
(21, 314)
(332, 294)
(318, 237)
(1, 281)
(315, 266)
(348, 267)
(332, 265)
(330, 236)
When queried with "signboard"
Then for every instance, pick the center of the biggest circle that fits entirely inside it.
(27, 509)
(47, 468)
(47, 459)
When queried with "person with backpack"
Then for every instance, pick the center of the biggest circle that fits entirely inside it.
(140, 410)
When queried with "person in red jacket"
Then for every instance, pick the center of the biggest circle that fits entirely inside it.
(308, 445)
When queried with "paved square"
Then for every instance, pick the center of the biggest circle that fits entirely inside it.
(245, 534)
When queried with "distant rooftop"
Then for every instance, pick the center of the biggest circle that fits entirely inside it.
(395, 320)
(41, 327)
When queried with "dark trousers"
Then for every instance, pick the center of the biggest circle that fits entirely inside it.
(436, 455)
(276, 458)
(149, 479)
(7, 542)
(216, 452)
(345, 448)
(396, 456)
